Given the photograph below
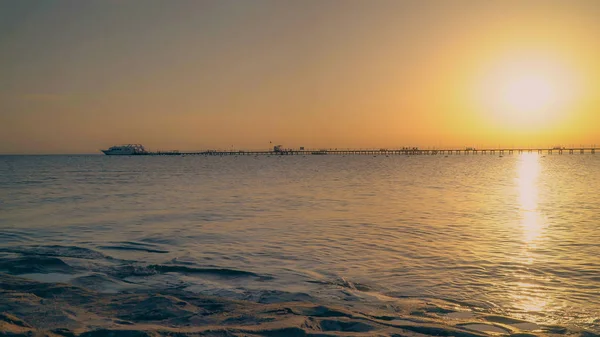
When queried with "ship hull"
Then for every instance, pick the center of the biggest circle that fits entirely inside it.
(125, 150)
(112, 153)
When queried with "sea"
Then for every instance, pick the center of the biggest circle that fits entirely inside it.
(469, 239)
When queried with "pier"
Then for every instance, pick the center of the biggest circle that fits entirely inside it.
(406, 151)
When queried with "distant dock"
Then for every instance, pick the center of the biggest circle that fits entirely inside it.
(385, 152)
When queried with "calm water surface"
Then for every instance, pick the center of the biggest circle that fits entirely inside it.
(517, 236)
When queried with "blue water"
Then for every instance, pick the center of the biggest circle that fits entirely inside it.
(517, 236)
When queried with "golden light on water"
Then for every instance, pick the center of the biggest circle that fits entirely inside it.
(527, 179)
(527, 296)
(528, 172)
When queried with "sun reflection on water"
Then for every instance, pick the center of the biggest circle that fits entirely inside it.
(527, 180)
(526, 295)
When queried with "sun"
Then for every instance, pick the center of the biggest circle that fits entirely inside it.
(527, 93)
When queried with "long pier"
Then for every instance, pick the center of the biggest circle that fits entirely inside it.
(387, 152)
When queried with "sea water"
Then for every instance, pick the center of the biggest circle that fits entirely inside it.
(515, 236)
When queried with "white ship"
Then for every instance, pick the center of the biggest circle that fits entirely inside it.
(125, 150)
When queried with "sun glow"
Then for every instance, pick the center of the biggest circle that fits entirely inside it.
(527, 92)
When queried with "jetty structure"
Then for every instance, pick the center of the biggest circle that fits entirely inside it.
(139, 150)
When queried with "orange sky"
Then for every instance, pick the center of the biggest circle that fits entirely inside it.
(77, 76)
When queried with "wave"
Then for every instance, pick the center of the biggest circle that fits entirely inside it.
(6, 237)
(277, 296)
(138, 270)
(103, 283)
(344, 283)
(39, 264)
(147, 250)
(133, 243)
(56, 250)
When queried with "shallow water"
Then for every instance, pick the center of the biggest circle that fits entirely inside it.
(514, 237)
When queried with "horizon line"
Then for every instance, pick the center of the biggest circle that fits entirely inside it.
(306, 149)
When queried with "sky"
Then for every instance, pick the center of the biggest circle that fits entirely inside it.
(79, 76)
